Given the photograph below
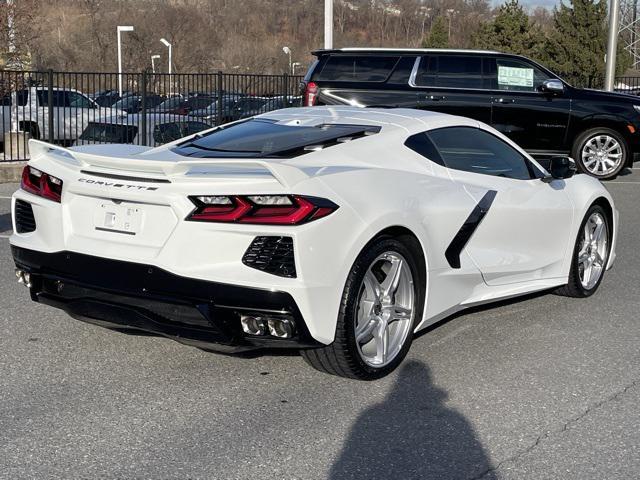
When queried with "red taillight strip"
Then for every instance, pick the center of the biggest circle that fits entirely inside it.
(44, 186)
(242, 210)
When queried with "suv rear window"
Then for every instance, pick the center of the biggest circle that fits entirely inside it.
(262, 137)
(109, 133)
(352, 68)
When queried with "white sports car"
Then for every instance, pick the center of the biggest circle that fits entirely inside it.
(334, 230)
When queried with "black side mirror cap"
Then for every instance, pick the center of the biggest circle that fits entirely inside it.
(561, 168)
(552, 85)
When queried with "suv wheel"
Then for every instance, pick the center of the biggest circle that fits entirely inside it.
(381, 306)
(600, 152)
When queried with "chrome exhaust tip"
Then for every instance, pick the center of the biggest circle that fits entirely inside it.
(23, 277)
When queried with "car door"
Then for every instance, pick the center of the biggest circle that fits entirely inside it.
(454, 84)
(535, 120)
(520, 228)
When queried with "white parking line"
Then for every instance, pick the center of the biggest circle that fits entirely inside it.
(5, 198)
(5, 236)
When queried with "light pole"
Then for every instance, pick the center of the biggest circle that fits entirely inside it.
(168, 45)
(121, 28)
(328, 24)
(287, 50)
(612, 45)
(450, 13)
(153, 62)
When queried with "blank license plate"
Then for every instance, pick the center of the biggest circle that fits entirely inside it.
(125, 219)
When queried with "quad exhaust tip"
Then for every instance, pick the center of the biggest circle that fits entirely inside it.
(24, 277)
(262, 325)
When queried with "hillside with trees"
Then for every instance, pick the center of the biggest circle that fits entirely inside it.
(248, 35)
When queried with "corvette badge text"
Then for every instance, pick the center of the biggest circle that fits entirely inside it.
(116, 185)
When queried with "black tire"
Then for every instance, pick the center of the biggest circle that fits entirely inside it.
(574, 287)
(341, 358)
(582, 139)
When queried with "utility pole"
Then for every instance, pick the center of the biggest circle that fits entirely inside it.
(328, 24)
(612, 45)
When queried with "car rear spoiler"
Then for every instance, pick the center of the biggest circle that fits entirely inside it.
(286, 175)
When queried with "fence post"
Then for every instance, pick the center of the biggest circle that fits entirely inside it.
(286, 90)
(50, 105)
(143, 109)
(220, 102)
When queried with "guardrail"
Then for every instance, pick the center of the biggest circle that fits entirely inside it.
(77, 108)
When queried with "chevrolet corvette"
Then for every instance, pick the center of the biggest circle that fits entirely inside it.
(337, 231)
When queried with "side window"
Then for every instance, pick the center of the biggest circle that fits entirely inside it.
(78, 100)
(516, 75)
(60, 98)
(453, 71)
(195, 127)
(476, 151)
(422, 145)
(363, 68)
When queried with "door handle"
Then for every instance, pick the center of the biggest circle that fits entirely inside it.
(435, 98)
(504, 100)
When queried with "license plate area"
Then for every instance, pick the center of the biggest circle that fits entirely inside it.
(123, 218)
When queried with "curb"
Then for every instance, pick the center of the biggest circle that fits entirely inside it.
(11, 172)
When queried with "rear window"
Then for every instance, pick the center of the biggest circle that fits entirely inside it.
(109, 133)
(262, 137)
(351, 68)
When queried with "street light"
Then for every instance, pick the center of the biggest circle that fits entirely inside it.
(287, 50)
(153, 62)
(121, 28)
(168, 45)
(450, 13)
(328, 24)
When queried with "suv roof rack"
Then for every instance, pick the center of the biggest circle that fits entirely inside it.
(400, 50)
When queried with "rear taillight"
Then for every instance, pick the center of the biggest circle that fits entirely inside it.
(260, 209)
(310, 94)
(42, 184)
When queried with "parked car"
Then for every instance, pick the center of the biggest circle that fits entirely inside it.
(334, 230)
(106, 98)
(133, 103)
(519, 97)
(161, 129)
(250, 106)
(210, 113)
(72, 112)
(184, 106)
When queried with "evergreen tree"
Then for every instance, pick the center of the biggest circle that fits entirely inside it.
(511, 31)
(438, 36)
(577, 44)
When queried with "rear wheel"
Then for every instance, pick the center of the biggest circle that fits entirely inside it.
(600, 152)
(590, 255)
(381, 304)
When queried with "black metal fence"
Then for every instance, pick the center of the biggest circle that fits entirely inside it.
(73, 108)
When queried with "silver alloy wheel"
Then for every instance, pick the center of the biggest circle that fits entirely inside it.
(592, 256)
(601, 154)
(385, 310)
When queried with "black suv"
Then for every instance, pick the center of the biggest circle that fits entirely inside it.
(520, 98)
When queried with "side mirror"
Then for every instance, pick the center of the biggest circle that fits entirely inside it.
(552, 86)
(561, 167)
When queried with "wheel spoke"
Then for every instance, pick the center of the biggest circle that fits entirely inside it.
(390, 283)
(365, 330)
(382, 342)
(400, 313)
(372, 286)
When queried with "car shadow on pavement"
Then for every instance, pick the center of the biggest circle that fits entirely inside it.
(412, 434)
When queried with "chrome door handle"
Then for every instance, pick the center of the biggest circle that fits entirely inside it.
(504, 100)
(436, 98)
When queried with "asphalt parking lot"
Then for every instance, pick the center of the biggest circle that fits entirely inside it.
(545, 387)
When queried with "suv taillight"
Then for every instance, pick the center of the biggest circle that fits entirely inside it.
(42, 184)
(310, 94)
(260, 209)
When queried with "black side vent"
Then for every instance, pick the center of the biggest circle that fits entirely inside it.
(25, 221)
(272, 255)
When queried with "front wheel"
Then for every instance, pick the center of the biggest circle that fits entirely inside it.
(590, 255)
(600, 152)
(381, 305)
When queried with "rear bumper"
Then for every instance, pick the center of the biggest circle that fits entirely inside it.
(127, 295)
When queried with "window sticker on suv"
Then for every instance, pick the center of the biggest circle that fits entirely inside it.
(514, 76)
